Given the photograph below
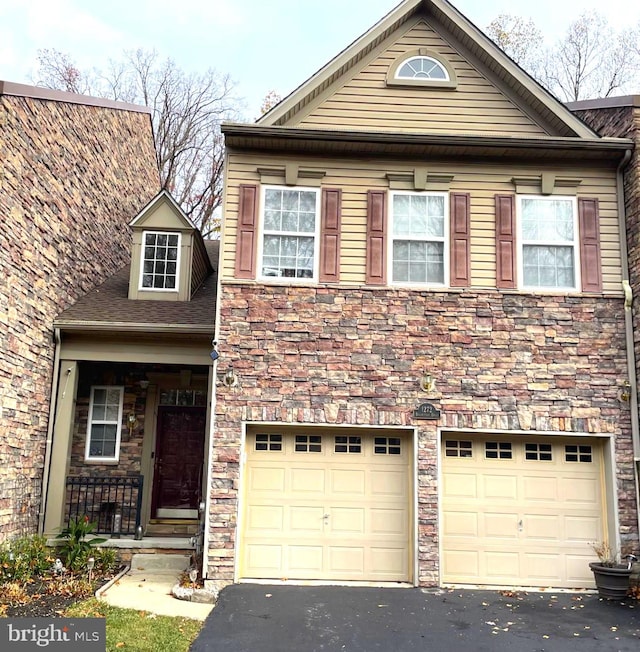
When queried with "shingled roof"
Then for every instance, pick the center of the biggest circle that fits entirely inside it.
(108, 308)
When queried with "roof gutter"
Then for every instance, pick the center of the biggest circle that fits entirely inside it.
(128, 327)
(247, 131)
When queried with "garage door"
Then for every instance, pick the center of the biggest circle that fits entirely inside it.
(330, 506)
(520, 511)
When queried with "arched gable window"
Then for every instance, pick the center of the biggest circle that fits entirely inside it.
(421, 68)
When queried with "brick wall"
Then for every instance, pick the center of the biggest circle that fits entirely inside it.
(72, 177)
(500, 361)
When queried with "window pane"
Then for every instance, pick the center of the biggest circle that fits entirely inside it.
(548, 266)
(273, 199)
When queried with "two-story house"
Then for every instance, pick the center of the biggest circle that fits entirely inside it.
(426, 366)
(73, 170)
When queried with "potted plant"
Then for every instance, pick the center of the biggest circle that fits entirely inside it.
(611, 575)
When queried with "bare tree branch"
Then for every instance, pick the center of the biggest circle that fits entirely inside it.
(187, 110)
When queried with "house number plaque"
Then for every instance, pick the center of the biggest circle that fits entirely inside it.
(426, 411)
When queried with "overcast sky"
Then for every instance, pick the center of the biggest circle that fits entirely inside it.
(262, 44)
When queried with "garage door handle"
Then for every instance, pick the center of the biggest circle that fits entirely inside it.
(326, 516)
(520, 526)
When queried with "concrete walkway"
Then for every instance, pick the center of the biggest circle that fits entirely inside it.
(147, 587)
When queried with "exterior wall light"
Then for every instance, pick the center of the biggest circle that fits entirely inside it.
(427, 383)
(230, 379)
(132, 422)
(625, 392)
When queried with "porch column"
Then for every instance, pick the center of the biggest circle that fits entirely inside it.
(64, 417)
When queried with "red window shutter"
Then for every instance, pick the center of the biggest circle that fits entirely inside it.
(460, 239)
(590, 267)
(330, 235)
(505, 241)
(246, 234)
(376, 273)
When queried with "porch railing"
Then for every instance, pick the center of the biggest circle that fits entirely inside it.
(114, 503)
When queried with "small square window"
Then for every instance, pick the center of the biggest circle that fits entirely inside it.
(456, 448)
(538, 452)
(386, 445)
(308, 444)
(573, 453)
(498, 450)
(348, 444)
(268, 442)
(160, 261)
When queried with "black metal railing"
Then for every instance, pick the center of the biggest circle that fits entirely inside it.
(114, 503)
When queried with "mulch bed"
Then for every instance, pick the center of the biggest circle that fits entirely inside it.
(41, 600)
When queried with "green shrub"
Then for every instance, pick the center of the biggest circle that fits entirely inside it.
(24, 558)
(105, 561)
(74, 542)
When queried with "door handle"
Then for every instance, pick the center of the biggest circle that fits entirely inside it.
(520, 525)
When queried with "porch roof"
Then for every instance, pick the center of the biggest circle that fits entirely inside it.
(108, 306)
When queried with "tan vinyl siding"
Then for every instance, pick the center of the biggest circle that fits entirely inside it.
(481, 180)
(365, 101)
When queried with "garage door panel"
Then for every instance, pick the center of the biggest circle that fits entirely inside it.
(544, 527)
(540, 489)
(547, 568)
(501, 565)
(500, 526)
(389, 561)
(304, 560)
(583, 529)
(306, 519)
(308, 480)
(389, 483)
(268, 479)
(262, 518)
(460, 484)
(456, 524)
(461, 565)
(500, 487)
(343, 520)
(537, 512)
(266, 559)
(581, 491)
(389, 521)
(348, 481)
(343, 559)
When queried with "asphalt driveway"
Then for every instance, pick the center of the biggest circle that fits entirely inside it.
(259, 618)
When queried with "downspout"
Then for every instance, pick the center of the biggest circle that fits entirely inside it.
(46, 472)
(628, 322)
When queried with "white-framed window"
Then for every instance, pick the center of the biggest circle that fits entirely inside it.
(104, 424)
(419, 242)
(548, 239)
(421, 67)
(160, 264)
(290, 233)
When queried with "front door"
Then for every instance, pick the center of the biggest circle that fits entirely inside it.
(179, 455)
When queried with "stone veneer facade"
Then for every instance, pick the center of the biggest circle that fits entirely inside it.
(501, 360)
(623, 121)
(74, 172)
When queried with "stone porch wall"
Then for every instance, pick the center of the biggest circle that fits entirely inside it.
(72, 177)
(355, 356)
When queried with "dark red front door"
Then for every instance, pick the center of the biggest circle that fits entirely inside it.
(179, 458)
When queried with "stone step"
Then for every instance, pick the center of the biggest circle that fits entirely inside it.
(167, 529)
(159, 562)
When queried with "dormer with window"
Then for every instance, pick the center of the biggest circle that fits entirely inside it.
(169, 260)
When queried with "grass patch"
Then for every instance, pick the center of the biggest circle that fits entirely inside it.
(130, 629)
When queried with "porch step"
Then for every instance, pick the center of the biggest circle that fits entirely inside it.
(168, 528)
(158, 562)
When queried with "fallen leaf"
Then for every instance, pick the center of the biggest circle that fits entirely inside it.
(120, 644)
(545, 636)
(268, 595)
(614, 629)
